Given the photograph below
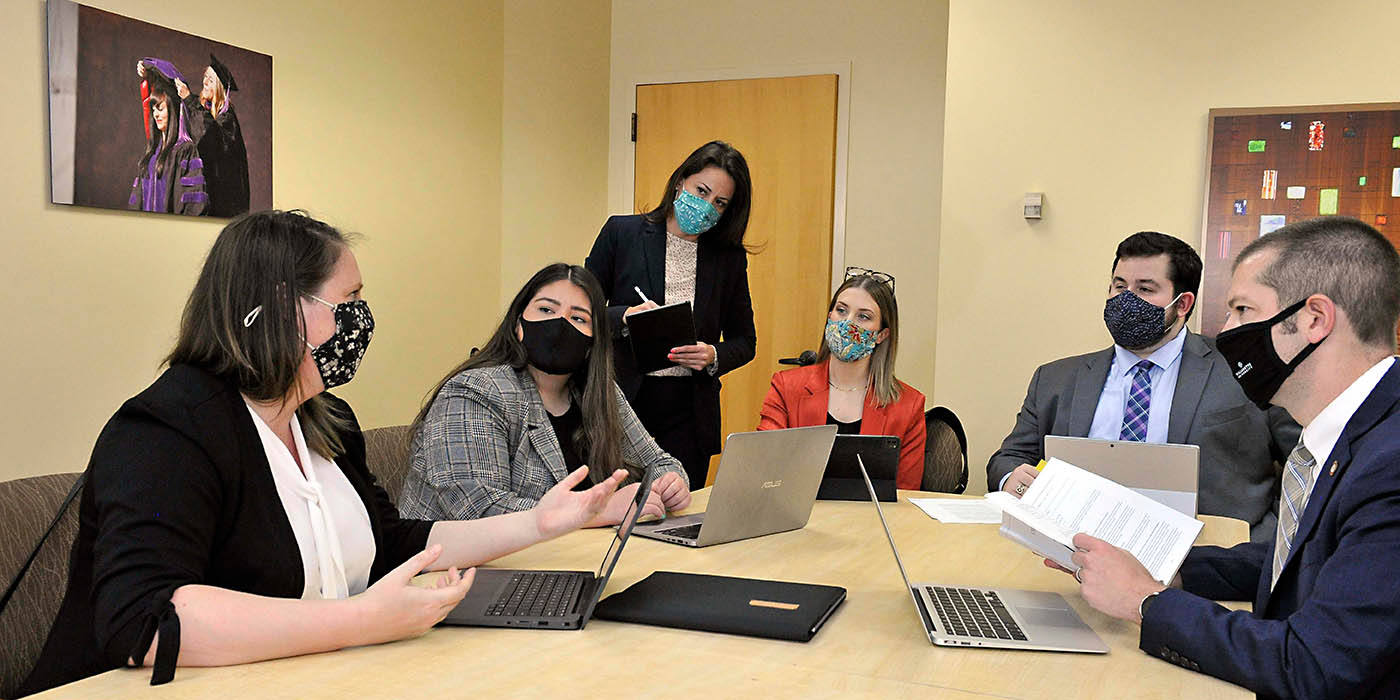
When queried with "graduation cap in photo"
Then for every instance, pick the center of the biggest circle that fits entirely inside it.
(161, 76)
(222, 71)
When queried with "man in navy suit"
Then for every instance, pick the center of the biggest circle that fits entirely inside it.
(1312, 324)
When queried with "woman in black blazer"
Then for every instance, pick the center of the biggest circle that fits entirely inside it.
(228, 515)
(690, 247)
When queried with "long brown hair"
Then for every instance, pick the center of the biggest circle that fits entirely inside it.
(594, 387)
(883, 381)
(734, 222)
(267, 260)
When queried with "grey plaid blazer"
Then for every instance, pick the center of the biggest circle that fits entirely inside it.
(487, 447)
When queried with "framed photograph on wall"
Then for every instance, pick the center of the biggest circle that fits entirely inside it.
(1271, 166)
(151, 119)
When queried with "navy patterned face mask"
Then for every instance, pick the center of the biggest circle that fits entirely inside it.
(1135, 322)
(339, 357)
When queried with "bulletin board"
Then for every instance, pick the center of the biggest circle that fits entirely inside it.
(1272, 166)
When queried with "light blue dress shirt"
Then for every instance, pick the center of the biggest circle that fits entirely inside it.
(1113, 400)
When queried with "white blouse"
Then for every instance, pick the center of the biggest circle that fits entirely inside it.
(327, 516)
(681, 256)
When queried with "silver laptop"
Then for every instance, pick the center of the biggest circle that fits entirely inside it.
(545, 599)
(1001, 618)
(1167, 474)
(767, 483)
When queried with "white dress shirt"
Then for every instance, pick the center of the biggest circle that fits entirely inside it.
(1321, 435)
(1113, 400)
(327, 516)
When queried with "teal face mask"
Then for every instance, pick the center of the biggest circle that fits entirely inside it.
(695, 215)
(849, 342)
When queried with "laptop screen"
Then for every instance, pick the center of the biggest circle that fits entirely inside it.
(624, 528)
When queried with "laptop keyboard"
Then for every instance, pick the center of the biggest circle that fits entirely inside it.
(686, 531)
(968, 612)
(538, 594)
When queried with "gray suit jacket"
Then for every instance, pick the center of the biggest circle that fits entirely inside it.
(1241, 446)
(487, 447)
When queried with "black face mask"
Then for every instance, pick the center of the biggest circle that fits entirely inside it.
(1249, 350)
(339, 357)
(555, 346)
(1135, 322)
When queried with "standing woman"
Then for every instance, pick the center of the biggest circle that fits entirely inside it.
(228, 514)
(170, 175)
(852, 385)
(214, 128)
(689, 248)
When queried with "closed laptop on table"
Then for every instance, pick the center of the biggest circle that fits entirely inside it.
(751, 607)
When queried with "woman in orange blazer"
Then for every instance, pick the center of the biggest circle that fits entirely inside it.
(852, 385)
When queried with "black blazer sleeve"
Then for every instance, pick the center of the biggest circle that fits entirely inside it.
(740, 339)
(156, 493)
(602, 262)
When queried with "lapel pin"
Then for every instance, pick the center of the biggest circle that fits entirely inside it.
(1333, 470)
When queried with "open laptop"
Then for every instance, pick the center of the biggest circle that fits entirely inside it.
(1001, 618)
(531, 599)
(1167, 474)
(767, 483)
(842, 481)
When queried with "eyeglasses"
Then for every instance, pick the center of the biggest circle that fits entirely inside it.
(881, 277)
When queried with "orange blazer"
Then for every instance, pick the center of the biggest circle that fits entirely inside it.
(798, 398)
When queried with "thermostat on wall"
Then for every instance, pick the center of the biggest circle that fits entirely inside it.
(1034, 202)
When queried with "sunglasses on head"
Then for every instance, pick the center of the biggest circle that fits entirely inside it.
(881, 277)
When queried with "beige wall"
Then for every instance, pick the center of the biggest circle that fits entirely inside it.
(554, 135)
(895, 51)
(387, 122)
(1101, 105)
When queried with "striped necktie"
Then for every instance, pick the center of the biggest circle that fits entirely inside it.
(1139, 399)
(1297, 487)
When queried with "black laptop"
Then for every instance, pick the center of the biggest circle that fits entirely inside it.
(561, 600)
(842, 480)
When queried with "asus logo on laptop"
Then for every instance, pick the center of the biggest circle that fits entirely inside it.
(772, 484)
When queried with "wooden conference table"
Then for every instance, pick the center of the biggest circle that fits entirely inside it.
(873, 645)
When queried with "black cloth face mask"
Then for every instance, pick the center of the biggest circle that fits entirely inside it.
(1135, 322)
(339, 357)
(555, 346)
(1249, 350)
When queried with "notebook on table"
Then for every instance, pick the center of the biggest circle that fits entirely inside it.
(654, 332)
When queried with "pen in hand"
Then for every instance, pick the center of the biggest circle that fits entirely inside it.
(638, 290)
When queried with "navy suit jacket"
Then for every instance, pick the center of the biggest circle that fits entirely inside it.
(1331, 627)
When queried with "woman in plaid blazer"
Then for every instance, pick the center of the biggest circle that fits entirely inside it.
(537, 401)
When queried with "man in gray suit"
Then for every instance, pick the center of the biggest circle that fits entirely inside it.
(1158, 383)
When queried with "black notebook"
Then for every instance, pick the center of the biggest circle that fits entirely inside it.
(747, 606)
(655, 332)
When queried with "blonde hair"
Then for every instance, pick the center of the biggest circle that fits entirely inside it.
(882, 379)
(220, 100)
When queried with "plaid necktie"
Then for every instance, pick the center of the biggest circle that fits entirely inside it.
(1297, 487)
(1139, 398)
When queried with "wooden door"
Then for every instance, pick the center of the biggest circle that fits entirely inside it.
(786, 129)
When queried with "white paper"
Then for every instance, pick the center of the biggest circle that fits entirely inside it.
(960, 510)
(1297, 192)
(1395, 182)
(1065, 500)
